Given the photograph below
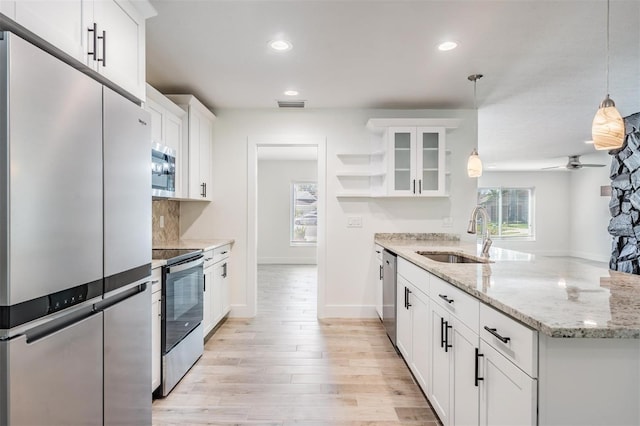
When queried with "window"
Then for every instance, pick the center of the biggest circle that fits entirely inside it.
(304, 213)
(510, 211)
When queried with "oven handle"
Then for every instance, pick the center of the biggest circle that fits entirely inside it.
(185, 266)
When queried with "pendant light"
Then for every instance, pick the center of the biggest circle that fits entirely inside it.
(607, 130)
(474, 164)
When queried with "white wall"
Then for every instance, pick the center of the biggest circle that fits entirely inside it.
(552, 209)
(274, 210)
(349, 290)
(590, 211)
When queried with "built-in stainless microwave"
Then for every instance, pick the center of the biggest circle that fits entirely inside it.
(163, 171)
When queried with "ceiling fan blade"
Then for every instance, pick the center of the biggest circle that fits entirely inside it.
(553, 167)
(592, 165)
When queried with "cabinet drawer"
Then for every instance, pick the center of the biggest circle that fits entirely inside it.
(414, 274)
(378, 252)
(517, 342)
(465, 307)
(156, 279)
(221, 253)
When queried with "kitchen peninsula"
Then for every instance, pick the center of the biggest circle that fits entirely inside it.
(546, 340)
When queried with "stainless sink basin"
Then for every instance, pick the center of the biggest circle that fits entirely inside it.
(446, 257)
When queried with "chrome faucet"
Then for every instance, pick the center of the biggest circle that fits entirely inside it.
(486, 239)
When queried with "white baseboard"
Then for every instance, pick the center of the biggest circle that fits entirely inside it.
(591, 256)
(287, 261)
(350, 311)
(241, 311)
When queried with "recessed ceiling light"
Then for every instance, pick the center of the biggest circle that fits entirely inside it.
(447, 45)
(291, 93)
(280, 45)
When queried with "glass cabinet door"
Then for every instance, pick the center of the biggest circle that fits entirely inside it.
(430, 161)
(402, 160)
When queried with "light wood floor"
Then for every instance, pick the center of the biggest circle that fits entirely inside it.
(284, 367)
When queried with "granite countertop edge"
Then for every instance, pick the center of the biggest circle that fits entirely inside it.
(405, 246)
(204, 244)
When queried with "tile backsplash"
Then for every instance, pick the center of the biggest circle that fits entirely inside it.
(170, 211)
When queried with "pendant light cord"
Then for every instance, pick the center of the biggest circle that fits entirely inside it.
(608, 47)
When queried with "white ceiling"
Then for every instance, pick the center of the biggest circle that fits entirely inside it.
(543, 61)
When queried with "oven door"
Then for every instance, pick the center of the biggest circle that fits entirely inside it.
(182, 301)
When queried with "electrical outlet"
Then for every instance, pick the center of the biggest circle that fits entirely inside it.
(161, 221)
(354, 222)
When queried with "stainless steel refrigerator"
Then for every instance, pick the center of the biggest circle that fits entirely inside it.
(74, 202)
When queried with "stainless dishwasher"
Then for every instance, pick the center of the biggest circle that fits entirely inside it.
(389, 294)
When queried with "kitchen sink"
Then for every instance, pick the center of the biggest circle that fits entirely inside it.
(447, 257)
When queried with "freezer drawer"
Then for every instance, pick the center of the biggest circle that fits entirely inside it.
(55, 379)
(127, 359)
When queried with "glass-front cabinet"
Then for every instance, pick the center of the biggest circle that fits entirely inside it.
(416, 161)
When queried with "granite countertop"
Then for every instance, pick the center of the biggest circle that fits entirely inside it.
(558, 296)
(203, 245)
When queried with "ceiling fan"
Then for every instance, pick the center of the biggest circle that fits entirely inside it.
(573, 164)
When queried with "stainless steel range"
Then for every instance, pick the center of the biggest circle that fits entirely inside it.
(182, 300)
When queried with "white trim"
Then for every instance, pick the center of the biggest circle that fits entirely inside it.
(350, 311)
(253, 142)
(287, 261)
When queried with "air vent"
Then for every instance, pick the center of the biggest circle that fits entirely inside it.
(291, 104)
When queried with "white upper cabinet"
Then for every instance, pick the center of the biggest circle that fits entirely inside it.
(121, 44)
(197, 149)
(410, 157)
(416, 164)
(108, 36)
(58, 22)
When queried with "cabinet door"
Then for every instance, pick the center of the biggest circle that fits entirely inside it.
(60, 23)
(8, 8)
(156, 307)
(206, 135)
(430, 161)
(219, 276)
(157, 121)
(403, 319)
(207, 305)
(440, 362)
(121, 51)
(507, 394)
(401, 173)
(378, 285)
(465, 393)
(421, 339)
(226, 291)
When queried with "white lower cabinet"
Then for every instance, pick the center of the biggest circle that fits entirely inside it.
(439, 388)
(378, 279)
(507, 394)
(217, 303)
(156, 326)
(465, 378)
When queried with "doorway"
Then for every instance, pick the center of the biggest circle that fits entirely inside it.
(300, 239)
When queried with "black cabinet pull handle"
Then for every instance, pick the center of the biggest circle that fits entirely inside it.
(445, 298)
(224, 271)
(442, 332)
(406, 298)
(94, 30)
(420, 186)
(477, 362)
(446, 336)
(408, 303)
(497, 335)
(103, 37)
(414, 186)
(203, 192)
(381, 269)
(204, 287)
